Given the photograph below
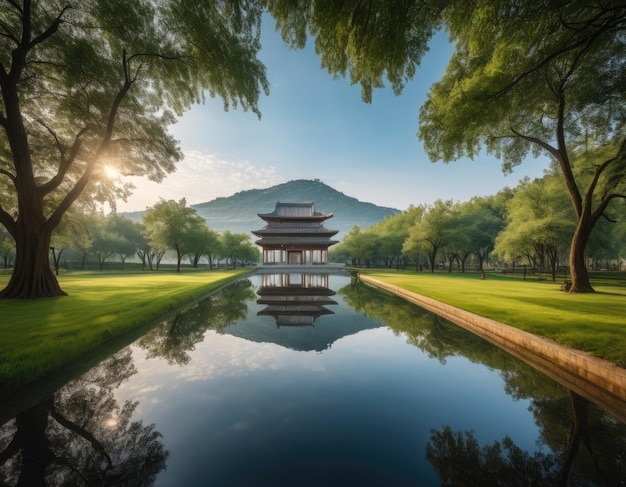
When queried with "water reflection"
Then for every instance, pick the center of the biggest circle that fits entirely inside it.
(178, 335)
(567, 420)
(82, 436)
(375, 391)
(295, 299)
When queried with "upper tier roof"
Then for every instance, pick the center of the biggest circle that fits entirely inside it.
(295, 211)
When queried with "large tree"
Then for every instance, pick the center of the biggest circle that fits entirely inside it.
(94, 83)
(514, 89)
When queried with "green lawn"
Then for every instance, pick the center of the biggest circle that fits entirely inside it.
(595, 323)
(38, 336)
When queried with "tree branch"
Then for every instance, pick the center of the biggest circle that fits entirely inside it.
(534, 140)
(600, 211)
(610, 24)
(65, 163)
(52, 28)
(99, 447)
(566, 167)
(80, 185)
(600, 169)
(15, 5)
(10, 450)
(7, 221)
(9, 175)
(7, 33)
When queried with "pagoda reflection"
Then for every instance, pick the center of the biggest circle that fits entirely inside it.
(295, 299)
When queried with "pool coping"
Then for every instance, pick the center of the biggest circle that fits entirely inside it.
(598, 380)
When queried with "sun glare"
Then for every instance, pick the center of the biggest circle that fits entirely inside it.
(111, 172)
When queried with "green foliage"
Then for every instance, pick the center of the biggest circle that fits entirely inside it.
(459, 457)
(178, 334)
(540, 223)
(7, 248)
(504, 83)
(432, 233)
(366, 41)
(237, 246)
(174, 225)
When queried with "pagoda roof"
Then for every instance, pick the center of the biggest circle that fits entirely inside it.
(298, 211)
(302, 241)
(294, 230)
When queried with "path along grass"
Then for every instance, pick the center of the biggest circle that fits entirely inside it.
(36, 337)
(594, 323)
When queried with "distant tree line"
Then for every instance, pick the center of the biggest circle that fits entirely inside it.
(85, 239)
(529, 227)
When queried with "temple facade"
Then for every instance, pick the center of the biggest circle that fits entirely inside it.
(294, 234)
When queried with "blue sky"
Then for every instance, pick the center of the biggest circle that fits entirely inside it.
(314, 126)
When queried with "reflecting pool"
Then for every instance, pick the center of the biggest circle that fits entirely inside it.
(311, 379)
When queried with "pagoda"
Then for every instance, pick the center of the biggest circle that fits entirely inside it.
(294, 234)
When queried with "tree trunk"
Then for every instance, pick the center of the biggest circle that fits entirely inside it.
(553, 256)
(431, 259)
(577, 264)
(579, 431)
(32, 276)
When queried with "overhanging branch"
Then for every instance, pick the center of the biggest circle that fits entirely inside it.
(9, 175)
(598, 26)
(65, 163)
(8, 222)
(52, 28)
(541, 143)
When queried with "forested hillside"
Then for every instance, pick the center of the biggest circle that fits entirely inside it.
(238, 213)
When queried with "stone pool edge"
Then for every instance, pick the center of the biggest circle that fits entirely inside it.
(598, 380)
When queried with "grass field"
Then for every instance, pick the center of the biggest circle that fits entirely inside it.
(38, 336)
(595, 323)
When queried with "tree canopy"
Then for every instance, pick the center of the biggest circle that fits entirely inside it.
(366, 41)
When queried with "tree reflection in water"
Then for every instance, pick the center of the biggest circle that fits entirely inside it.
(179, 334)
(81, 436)
(565, 419)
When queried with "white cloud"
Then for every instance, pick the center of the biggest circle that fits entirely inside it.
(199, 178)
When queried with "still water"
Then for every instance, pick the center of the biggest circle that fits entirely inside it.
(309, 379)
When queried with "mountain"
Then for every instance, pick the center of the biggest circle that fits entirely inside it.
(238, 213)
